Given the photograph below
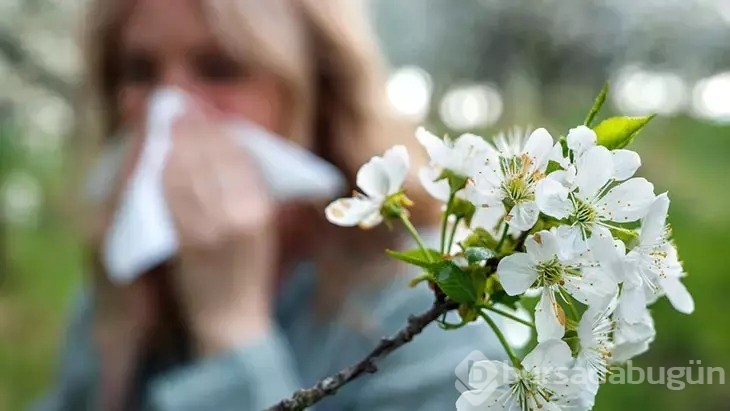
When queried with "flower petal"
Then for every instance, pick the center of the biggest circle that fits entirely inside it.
(437, 149)
(594, 288)
(564, 177)
(523, 215)
(556, 155)
(552, 354)
(485, 400)
(580, 139)
(349, 212)
(625, 164)
(437, 189)
(629, 201)
(631, 304)
(605, 251)
(373, 178)
(652, 225)
(371, 220)
(624, 351)
(549, 317)
(572, 242)
(485, 375)
(594, 170)
(396, 163)
(631, 340)
(677, 294)
(483, 195)
(469, 151)
(543, 246)
(552, 198)
(488, 218)
(538, 147)
(516, 273)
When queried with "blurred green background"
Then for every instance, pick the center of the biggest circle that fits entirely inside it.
(481, 66)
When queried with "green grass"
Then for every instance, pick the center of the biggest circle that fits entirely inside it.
(41, 270)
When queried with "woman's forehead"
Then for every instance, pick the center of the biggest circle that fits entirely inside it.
(165, 24)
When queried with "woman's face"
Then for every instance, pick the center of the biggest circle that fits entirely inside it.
(169, 43)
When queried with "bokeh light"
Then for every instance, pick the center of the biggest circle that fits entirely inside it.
(409, 91)
(639, 91)
(711, 98)
(20, 199)
(471, 106)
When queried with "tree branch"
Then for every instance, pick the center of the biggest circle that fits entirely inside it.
(416, 323)
(11, 47)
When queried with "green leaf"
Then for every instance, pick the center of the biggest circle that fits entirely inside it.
(618, 132)
(597, 104)
(455, 282)
(480, 238)
(456, 182)
(629, 237)
(573, 341)
(416, 257)
(552, 166)
(502, 297)
(463, 209)
(477, 254)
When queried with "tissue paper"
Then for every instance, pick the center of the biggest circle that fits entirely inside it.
(142, 234)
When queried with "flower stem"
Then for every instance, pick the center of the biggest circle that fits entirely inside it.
(414, 233)
(510, 316)
(510, 353)
(504, 237)
(445, 221)
(451, 237)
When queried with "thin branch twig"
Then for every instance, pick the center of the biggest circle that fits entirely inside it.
(416, 323)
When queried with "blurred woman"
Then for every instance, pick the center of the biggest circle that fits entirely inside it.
(264, 298)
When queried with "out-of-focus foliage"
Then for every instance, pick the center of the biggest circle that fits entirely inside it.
(515, 62)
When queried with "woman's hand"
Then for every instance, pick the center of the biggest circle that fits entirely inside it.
(224, 218)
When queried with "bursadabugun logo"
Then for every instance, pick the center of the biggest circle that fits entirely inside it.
(477, 377)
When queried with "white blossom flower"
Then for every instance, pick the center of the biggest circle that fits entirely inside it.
(508, 181)
(548, 266)
(579, 140)
(594, 356)
(633, 334)
(541, 382)
(462, 157)
(592, 197)
(653, 266)
(379, 179)
(511, 143)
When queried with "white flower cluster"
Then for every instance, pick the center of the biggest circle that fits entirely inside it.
(596, 249)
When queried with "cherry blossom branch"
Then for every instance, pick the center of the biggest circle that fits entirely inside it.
(329, 386)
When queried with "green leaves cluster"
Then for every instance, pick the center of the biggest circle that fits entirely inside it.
(463, 284)
(615, 132)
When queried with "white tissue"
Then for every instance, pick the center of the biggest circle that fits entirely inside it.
(142, 234)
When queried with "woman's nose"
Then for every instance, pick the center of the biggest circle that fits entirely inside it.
(176, 75)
